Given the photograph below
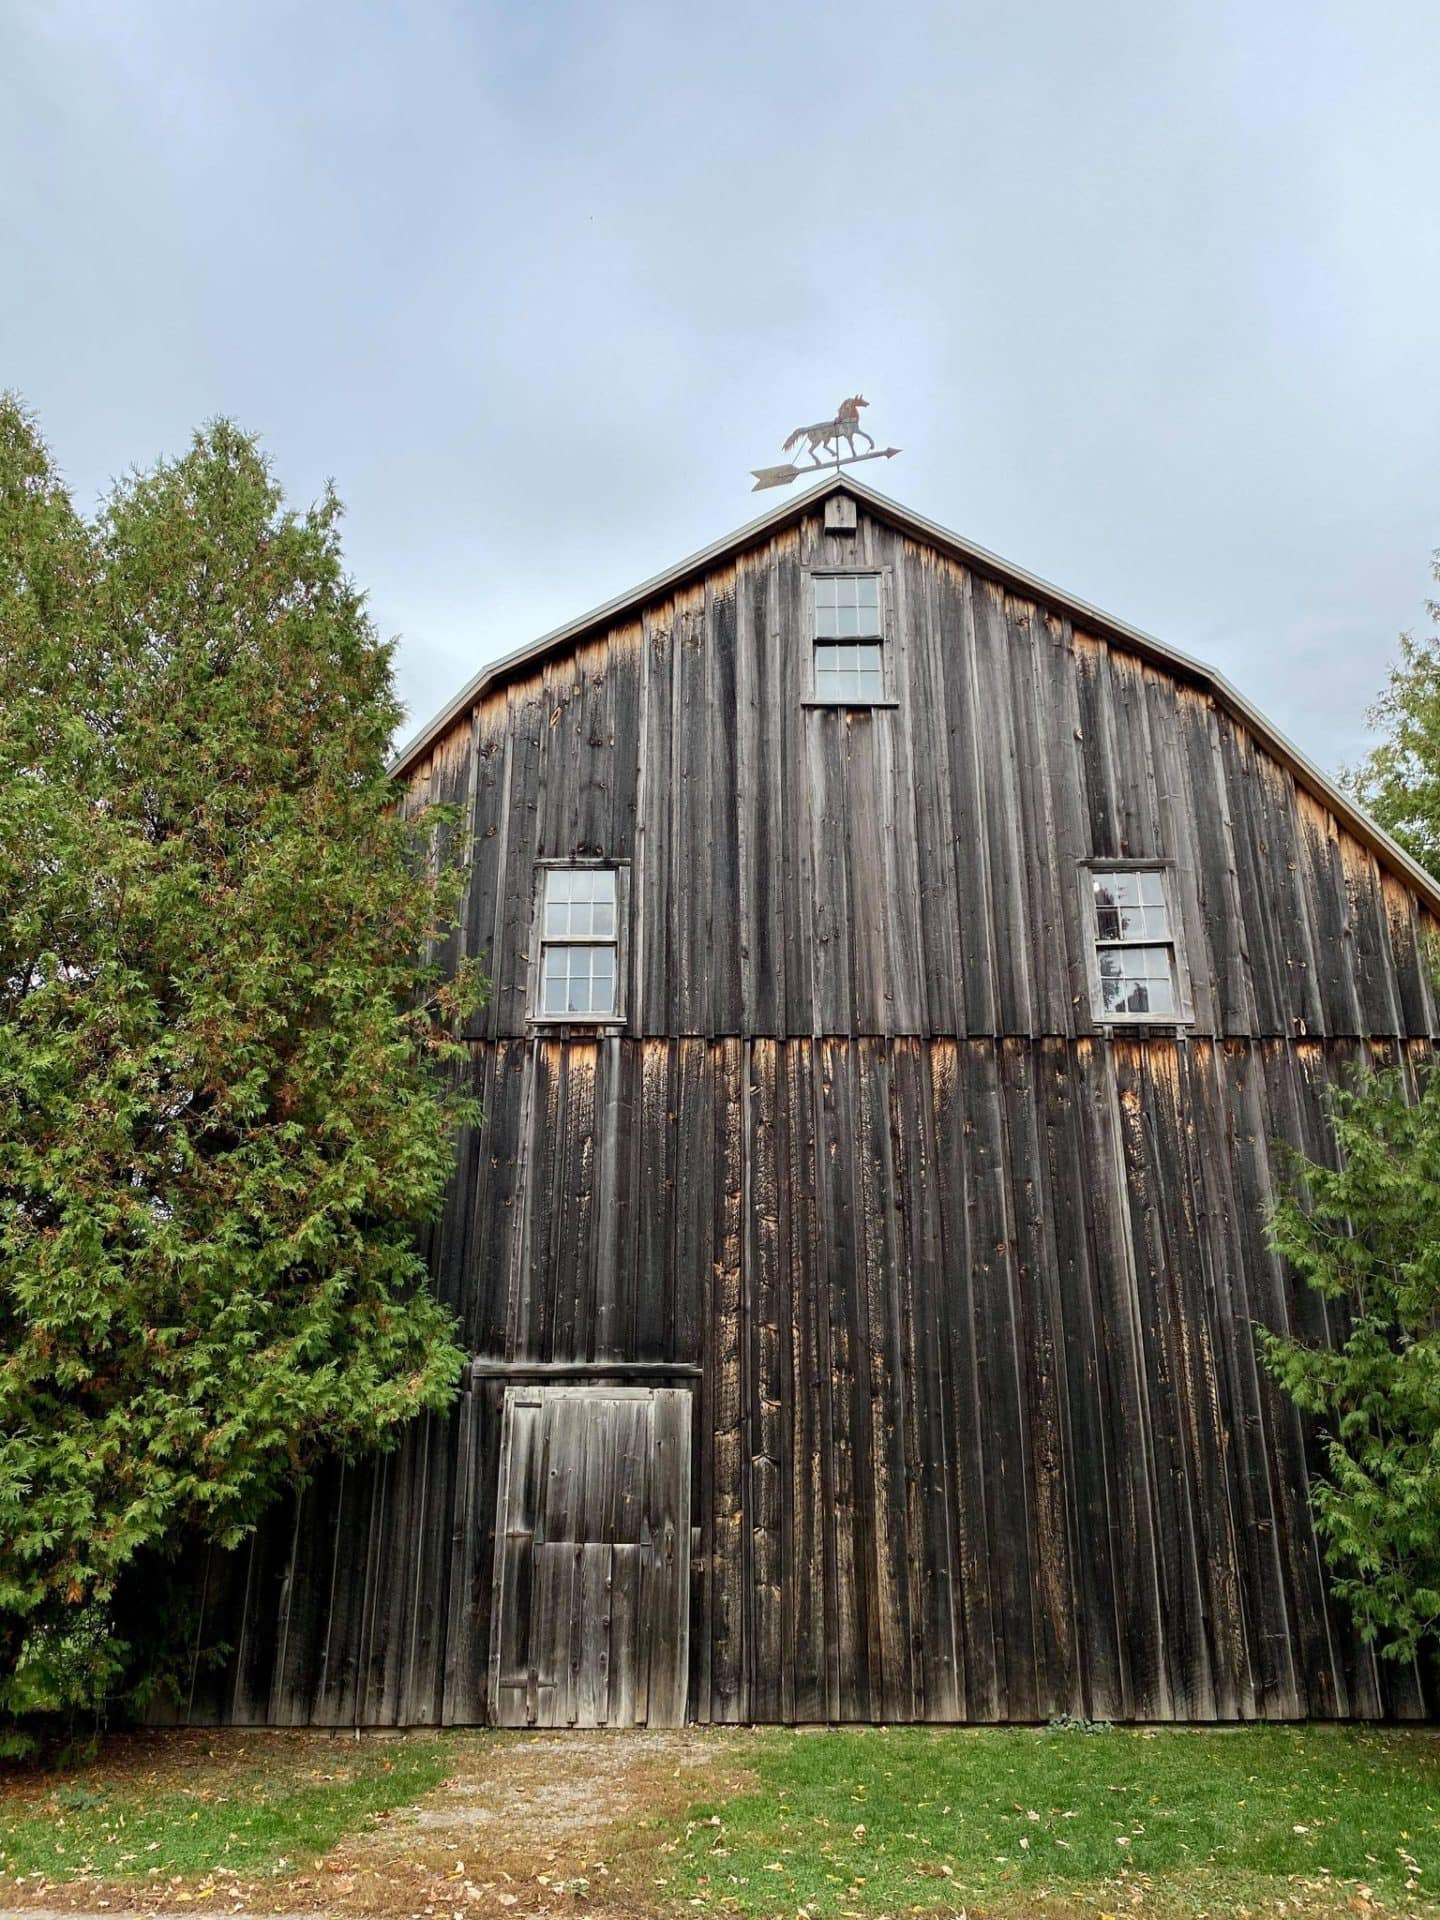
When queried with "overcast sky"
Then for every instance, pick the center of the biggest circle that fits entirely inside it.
(1148, 293)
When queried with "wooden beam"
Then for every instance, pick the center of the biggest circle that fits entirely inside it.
(560, 1370)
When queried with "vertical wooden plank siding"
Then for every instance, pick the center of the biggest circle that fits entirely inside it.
(960, 1286)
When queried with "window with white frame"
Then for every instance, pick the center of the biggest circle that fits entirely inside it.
(1136, 963)
(849, 637)
(579, 944)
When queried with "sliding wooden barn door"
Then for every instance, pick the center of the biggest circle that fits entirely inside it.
(591, 1621)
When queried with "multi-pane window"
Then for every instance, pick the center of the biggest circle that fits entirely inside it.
(1134, 944)
(849, 661)
(579, 947)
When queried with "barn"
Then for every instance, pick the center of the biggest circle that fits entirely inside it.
(903, 977)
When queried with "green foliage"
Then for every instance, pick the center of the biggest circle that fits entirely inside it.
(1366, 1234)
(1399, 780)
(228, 1080)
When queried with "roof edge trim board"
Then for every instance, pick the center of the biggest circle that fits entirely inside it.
(905, 520)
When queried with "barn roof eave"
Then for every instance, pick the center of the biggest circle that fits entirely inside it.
(906, 520)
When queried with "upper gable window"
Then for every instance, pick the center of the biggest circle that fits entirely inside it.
(579, 971)
(849, 638)
(1137, 964)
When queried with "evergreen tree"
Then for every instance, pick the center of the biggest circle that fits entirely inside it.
(1398, 781)
(1367, 1235)
(228, 1080)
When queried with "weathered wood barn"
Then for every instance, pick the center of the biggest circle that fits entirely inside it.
(901, 975)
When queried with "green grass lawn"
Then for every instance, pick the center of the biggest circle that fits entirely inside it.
(260, 1813)
(1305, 1821)
(1014, 1821)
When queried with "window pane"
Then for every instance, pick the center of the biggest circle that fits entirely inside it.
(846, 605)
(1117, 889)
(1162, 995)
(1137, 979)
(1130, 905)
(826, 621)
(555, 981)
(578, 980)
(849, 671)
(579, 903)
(1120, 996)
(1145, 963)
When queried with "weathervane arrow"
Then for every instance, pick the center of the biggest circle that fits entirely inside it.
(782, 476)
(825, 433)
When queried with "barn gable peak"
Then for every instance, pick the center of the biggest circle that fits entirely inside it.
(842, 497)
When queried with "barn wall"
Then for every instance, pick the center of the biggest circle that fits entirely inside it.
(981, 1433)
(980, 1429)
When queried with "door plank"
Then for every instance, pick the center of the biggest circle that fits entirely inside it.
(668, 1613)
(592, 1664)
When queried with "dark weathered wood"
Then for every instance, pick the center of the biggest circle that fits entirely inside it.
(966, 1287)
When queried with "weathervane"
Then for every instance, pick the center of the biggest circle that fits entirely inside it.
(825, 433)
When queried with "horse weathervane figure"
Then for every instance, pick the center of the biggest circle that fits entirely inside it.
(825, 433)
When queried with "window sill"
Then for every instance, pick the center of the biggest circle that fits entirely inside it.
(1108, 1022)
(862, 705)
(612, 1021)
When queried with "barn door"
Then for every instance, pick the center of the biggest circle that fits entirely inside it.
(590, 1626)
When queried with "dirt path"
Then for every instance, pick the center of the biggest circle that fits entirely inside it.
(541, 1823)
(525, 1825)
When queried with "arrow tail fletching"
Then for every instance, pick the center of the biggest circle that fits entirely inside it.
(773, 477)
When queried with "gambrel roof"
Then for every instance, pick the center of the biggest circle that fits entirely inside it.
(906, 521)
